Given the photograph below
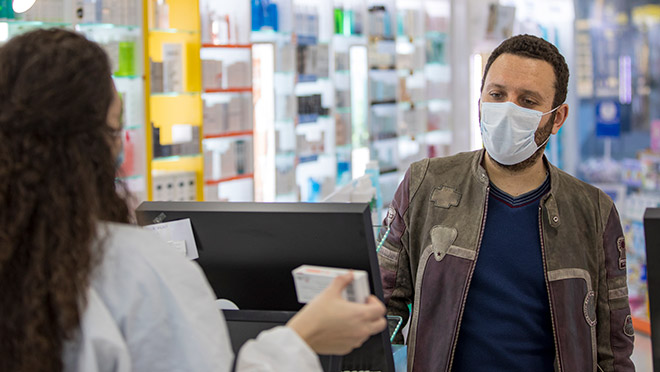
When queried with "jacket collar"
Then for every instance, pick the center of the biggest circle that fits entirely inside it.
(548, 201)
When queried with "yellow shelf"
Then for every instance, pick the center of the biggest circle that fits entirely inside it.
(169, 108)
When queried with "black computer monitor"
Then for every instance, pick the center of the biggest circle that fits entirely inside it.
(248, 250)
(652, 236)
(245, 325)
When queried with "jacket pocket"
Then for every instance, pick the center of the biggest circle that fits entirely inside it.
(574, 309)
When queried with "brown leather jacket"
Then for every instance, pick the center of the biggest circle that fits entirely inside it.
(436, 224)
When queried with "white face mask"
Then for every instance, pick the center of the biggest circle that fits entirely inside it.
(508, 131)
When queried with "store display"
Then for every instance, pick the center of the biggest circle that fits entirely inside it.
(315, 124)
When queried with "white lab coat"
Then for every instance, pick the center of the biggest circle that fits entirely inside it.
(150, 309)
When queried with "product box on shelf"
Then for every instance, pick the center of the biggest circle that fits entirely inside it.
(238, 75)
(211, 74)
(174, 186)
(156, 69)
(173, 67)
(227, 159)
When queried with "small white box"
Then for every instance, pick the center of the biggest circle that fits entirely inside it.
(312, 280)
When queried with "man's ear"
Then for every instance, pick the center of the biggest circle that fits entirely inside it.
(560, 118)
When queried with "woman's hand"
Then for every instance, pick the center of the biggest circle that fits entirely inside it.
(331, 325)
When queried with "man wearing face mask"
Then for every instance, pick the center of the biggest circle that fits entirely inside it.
(509, 263)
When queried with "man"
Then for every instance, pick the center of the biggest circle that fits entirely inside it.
(509, 263)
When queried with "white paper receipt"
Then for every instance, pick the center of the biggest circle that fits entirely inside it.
(179, 235)
(311, 280)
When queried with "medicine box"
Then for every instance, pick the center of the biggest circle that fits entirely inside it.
(312, 280)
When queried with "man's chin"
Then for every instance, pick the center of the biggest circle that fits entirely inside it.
(523, 165)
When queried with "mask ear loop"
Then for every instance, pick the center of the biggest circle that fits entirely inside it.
(549, 112)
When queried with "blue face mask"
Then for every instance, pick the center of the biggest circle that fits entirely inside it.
(507, 131)
(120, 157)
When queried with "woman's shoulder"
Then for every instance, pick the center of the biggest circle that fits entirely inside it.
(134, 259)
(132, 247)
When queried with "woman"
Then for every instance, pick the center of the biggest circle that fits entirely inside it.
(80, 290)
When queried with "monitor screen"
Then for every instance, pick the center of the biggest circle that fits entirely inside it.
(248, 250)
(244, 325)
(652, 237)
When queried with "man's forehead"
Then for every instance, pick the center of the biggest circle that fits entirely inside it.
(526, 74)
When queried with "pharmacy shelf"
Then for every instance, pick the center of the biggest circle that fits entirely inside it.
(230, 90)
(230, 134)
(174, 94)
(172, 31)
(228, 179)
(228, 46)
(110, 26)
(269, 36)
(174, 158)
(35, 23)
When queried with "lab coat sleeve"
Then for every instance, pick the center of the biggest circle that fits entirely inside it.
(275, 350)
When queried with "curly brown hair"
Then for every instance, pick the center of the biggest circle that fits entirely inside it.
(58, 181)
(534, 47)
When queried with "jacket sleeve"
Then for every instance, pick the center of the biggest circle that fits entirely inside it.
(614, 328)
(393, 256)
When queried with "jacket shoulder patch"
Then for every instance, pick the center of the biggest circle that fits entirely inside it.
(445, 197)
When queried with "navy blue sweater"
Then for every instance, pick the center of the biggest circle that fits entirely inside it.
(506, 325)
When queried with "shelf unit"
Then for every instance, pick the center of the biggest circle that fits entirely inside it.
(383, 89)
(228, 141)
(316, 168)
(118, 28)
(172, 65)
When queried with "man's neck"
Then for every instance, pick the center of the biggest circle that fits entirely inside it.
(515, 183)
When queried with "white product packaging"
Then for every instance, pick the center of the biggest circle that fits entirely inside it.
(312, 280)
(172, 67)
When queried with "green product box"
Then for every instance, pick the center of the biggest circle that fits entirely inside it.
(126, 59)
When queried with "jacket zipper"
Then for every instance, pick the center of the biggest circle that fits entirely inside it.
(467, 288)
(547, 287)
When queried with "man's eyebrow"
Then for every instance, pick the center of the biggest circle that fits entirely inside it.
(494, 85)
(532, 93)
(528, 92)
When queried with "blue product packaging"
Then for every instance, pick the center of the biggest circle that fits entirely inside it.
(271, 15)
(257, 15)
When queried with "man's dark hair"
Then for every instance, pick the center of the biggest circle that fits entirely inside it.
(534, 47)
